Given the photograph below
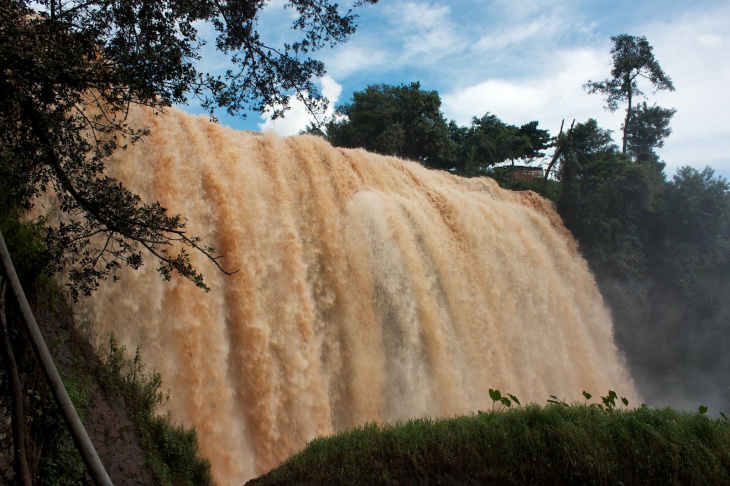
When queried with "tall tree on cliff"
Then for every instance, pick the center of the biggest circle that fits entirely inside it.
(70, 71)
(632, 59)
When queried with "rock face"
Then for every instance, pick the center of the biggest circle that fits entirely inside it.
(110, 429)
(107, 423)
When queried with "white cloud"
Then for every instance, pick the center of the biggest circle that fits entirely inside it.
(298, 117)
(554, 95)
(506, 37)
(691, 50)
(426, 28)
(710, 40)
(408, 34)
(527, 60)
(352, 58)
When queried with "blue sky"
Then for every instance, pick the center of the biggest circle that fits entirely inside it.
(527, 60)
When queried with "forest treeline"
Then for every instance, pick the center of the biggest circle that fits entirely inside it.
(659, 246)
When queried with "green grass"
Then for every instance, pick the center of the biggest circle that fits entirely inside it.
(556, 444)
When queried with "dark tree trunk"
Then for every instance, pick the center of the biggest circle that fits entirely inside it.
(17, 417)
(628, 118)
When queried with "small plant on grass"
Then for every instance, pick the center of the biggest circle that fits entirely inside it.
(608, 405)
(505, 402)
(557, 401)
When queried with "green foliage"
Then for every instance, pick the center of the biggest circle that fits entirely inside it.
(505, 402)
(511, 178)
(57, 459)
(404, 121)
(632, 60)
(489, 141)
(648, 127)
(555, 444)
(171, 450)
(605, 201)
(407, 122)
(694, 216)
(50, 452)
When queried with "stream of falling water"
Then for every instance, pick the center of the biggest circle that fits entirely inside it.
(369, 289)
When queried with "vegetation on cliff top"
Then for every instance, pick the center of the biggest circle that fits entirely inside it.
(553, 445)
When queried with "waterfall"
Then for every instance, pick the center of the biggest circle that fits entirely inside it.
(368, 289)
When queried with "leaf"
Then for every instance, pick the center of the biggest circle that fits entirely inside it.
(610, 399)
(514, 399)
(557, 401)
(495, 395)
(724, 416)
(625, 401)
(505, 401)
(587, 395)
(702, 410)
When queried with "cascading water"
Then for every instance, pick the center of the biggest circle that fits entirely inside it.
(369, 289)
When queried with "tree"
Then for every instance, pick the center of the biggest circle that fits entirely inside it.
(539, 140)
(489, 141)
(648, 128)
(70, 71)
(404, 121)
(632, 59)
(497, 141)
(607, 202)
(695, 243)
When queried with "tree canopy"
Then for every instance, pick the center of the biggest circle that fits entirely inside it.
(404, 121)
(648, 127)
(407, 121)
(489, 141)
(70, 72)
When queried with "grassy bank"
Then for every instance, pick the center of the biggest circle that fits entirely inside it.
(556, 444)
